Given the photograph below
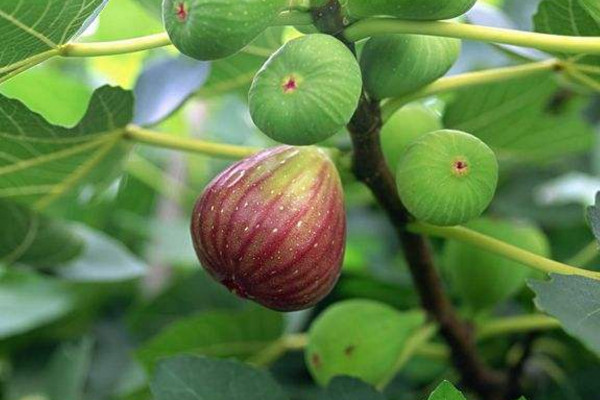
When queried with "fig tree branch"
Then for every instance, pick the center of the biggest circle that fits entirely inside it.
(469, 80)
(541, 41)
(369, 167)
(501, 248)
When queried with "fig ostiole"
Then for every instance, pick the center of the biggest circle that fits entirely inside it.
(424, 10)
(307, 91)
(447, 177)
(482, 279)
(214, 29)
(395, 65)
(272, 227)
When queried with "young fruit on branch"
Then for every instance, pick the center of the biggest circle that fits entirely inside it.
(307, 91)
(404, 127)
(447, 177)
(395, 65)
(425, 10)
(359, 338)
(213, 29)
(272, 227)
(482, 279)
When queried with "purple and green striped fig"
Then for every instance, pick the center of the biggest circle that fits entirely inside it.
(272, 227)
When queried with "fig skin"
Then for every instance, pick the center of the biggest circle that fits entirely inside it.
(307, 91)
(421, 10)
(215, 29)
(447, 177)
(272, 227)
(396, 65)
(405, 126)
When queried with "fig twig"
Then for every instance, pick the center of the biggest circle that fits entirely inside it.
(218, 150)
(541, 41)
(469, 80)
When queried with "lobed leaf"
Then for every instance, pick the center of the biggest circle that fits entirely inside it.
(575, 302)
(41, 162)
(528, 119)
(31, 30)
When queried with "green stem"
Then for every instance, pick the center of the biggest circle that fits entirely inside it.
(420, 342)
(116, 47)
(586, 255)
(164, 140)
(518, 324)
(501, 248)
(469, 80)
(552, 43)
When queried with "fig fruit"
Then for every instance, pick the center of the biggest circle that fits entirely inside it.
(424, 10)
(272, 227)
(405, 126)
(447, 177)
(482, 279)
(359, 338)
(394, 65)
(214, 29)
(307, 91)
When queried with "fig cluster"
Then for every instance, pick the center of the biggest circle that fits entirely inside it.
(271, 228)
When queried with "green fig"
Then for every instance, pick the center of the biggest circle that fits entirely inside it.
(359, 338)
(447, 177)
(307, 91)
(405, 126)
(482, 279)
(395, 65)
(425, 10)
(214, 29)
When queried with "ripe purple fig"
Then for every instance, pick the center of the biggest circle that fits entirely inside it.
(272, 227)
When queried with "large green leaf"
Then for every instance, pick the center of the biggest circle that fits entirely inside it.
(40, 162)
(217, 334)
(523, 120)
(33, 239)
(575, 301)
(31, 29)
(28, 301)
(199, 378)
(573, 18)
